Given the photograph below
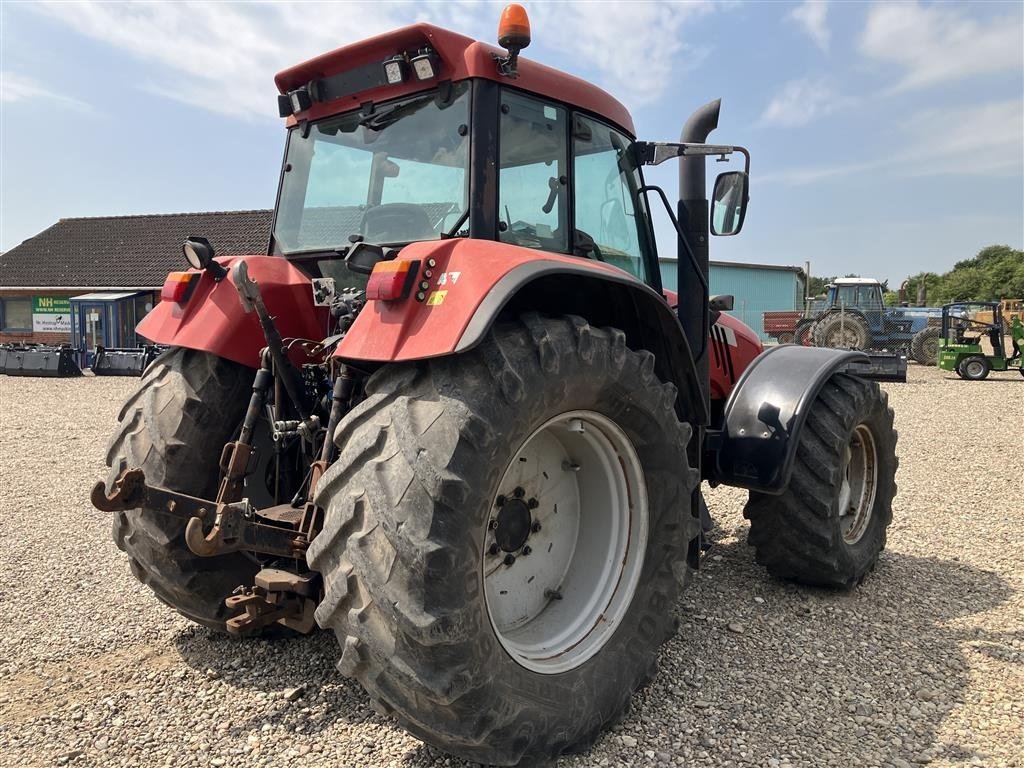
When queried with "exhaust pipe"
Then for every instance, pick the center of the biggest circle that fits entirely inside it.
(693, 226)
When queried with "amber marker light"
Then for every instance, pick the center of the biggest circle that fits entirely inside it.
(514, 28)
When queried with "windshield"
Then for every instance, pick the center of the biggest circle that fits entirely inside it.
(394, 176)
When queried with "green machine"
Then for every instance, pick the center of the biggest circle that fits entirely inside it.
(960, 343)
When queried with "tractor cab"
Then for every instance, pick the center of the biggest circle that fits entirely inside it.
(425, 135)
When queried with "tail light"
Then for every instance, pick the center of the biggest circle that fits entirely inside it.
(392, 280)
(178, 286)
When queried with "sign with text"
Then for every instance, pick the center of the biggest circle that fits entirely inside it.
(51, 314)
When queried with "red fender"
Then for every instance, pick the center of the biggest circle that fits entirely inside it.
(465, 273)
(213, 319)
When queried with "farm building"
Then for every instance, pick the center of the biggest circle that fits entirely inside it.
(758, 288)
(89, 281)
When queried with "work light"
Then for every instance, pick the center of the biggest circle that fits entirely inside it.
(424, 64)
(394, 69)
(301, 100)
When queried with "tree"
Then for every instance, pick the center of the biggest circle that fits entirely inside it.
(995, 272)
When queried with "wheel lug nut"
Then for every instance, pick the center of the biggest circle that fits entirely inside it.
(536, 526)
(533, 503)
(493, 524)
(500, 501)
(493, 549)
(527, 550)
(519, 493)
(509, 559)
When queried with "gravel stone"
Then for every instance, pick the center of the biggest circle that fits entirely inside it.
(923, 663)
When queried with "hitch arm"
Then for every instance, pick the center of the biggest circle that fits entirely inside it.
(235, 526)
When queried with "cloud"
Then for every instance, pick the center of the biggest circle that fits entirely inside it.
(635, 48)
(801, 101)
(973, 140)
(15, 87)
(223, 56)
(940, 43)
(811, 16)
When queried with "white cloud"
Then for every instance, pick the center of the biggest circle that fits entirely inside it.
(980, 139)
(15, 87)
(812, 17)
(637, 48)
(940, 43)
(801, 101)
(223, 56)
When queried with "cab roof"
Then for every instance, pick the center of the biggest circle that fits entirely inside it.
(460, 58)
(855, 281)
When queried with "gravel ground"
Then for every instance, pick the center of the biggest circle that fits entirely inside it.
(924, 663)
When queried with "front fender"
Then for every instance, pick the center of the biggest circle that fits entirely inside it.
(756, 444)
(213, 320)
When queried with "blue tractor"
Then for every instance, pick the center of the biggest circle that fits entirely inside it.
(855, 317)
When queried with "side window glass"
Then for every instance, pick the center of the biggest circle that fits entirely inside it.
(532, 194)
(605, 193)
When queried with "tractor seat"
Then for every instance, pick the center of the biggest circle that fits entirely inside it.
(396, 223)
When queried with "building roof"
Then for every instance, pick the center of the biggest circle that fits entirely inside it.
(746, 265)
(126, 251)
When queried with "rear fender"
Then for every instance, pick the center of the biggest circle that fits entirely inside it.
(213, 320)
(476, 282)
(756, 443)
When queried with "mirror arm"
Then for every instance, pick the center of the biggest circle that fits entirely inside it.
(657, 152)
(689, 254)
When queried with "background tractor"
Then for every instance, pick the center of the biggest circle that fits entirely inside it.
(966, 325)
(453, 415)
(855, 317)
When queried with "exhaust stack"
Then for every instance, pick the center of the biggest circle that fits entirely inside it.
(693, 225)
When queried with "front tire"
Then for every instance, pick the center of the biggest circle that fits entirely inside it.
(839, 331)
(829, 525)
(419, 522)
(975, 368)
(186, 407)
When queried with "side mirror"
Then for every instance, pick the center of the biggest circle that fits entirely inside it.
(729, 203)
(721, 303)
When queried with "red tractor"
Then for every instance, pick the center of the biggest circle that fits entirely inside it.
(453, 414)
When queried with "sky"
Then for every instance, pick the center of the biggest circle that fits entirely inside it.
(887, 138)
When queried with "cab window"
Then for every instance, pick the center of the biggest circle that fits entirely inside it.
(604, 192)
(532, 193)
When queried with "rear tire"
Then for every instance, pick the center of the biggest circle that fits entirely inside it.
(924, 347)
(842, 332)
(411, 502)
(187, 406)
(828, 527)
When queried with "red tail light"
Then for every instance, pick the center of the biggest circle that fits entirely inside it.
(178, 286)
(392, 280)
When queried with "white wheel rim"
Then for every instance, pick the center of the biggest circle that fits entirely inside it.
(974, 368)
(557, 597)
(860, 482)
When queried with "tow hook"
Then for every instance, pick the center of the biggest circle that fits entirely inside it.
(278, 597)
